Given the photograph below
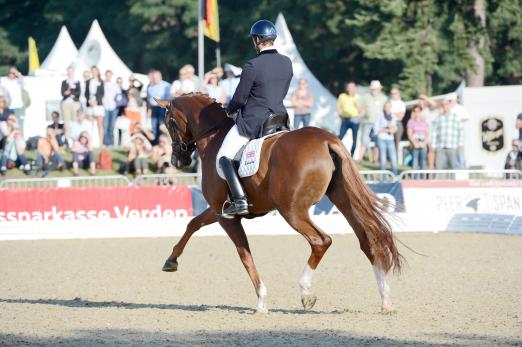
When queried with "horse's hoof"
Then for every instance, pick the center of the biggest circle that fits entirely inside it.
(261, 311)
(308, 302)
(170, 265)
(388, 310)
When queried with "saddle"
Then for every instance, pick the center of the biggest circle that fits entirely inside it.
(248, 157)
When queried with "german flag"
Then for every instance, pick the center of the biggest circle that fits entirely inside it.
(211, 18)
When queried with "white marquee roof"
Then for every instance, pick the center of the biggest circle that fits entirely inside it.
(324, 110)
(60, 57)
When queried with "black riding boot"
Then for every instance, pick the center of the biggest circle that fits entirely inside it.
(239, 204)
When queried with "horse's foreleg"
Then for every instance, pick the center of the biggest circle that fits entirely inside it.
(204, 218)
(235, 231)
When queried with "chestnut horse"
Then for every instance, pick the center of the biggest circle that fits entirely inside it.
(297, 168)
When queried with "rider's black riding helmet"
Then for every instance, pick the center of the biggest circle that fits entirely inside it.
(265, 30)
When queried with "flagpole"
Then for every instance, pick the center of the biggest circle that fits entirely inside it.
(218, 55)
(201, 42)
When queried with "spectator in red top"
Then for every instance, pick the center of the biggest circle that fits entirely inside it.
(418, 135)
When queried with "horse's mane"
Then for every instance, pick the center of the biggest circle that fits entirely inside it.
(209, 106)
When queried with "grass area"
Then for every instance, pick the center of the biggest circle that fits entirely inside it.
(119, 157)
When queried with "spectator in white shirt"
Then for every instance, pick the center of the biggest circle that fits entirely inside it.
(80, 125)
(185, 84)
(230, 83)
(14, 86)
(212, 88)
(111, 90)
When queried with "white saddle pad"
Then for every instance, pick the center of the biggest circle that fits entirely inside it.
(251, 156)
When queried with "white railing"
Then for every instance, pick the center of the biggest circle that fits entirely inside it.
(190, 179)
(186, 179)
(371, 176)
(460, 174)
(67, 182)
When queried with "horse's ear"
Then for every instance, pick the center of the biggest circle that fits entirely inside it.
(162, 103)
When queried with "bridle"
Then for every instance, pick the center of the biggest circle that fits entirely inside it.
(180, 146)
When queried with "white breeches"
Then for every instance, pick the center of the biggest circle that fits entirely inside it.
(231, 145)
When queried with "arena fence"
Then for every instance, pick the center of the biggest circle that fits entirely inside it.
(186, 179)
(460, 174)
(371, 176)
(67, 182)
(189, 179)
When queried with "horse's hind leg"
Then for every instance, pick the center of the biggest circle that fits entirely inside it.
(204, 218)
(344, 206)
(235, 231)
(319, 242)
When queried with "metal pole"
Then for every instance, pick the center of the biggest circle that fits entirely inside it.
(201, 42)
(218, 56)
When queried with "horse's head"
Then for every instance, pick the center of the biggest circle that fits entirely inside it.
(182, 140)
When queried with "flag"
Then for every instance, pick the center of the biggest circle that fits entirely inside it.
(211, 17)
(34, 62)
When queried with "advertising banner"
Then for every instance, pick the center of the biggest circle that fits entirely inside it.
(63, 204)
(494, 196)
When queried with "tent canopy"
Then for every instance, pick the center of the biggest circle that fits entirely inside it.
(324, 109)
(62, 55)
(96, 50)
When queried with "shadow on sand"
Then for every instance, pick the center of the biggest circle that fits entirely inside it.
(129, 337)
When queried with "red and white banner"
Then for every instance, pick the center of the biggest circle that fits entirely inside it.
(62, 204)
(492, 196)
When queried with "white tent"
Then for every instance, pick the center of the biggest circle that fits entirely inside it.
(62, 55)
(323, 112)
(96, 50)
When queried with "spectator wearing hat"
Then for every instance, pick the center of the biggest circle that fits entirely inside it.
(447, 137)
(230, 83)
(418, 135)
(302, 101)
(398, 108)
(14, 148)
(385, 128)
(349, 112)
(372, 105)
(83, 158)
(70, 104)
(463, 115)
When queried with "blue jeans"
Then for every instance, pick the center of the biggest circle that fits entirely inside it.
(108, 125)
(20, 160)
(301, 118)
(157, 117)
(419, 159)
(387, 150)
(348, 123)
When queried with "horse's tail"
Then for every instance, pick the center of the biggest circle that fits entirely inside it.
(364, 210)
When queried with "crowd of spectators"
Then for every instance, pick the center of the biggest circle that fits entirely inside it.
(103, 111)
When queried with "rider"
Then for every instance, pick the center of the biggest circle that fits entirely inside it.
(263, 86)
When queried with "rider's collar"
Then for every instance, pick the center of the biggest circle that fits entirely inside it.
(268, 50)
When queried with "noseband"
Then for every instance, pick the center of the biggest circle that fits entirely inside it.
(179, 146)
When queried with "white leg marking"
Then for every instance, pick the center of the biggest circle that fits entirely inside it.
(262, 292)
(384, 289)
(305, 282)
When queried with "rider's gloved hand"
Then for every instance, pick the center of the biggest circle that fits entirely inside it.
(232, 115)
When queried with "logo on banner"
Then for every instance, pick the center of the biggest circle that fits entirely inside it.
(492, 134)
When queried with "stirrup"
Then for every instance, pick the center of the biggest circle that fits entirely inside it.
(235, 208)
